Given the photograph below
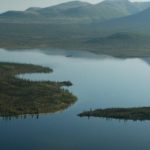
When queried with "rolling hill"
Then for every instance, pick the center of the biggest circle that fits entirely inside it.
(141, 19)
(81, 26)
(75, 12)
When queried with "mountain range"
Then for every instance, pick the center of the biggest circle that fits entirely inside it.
(75, 12)
(114, 27)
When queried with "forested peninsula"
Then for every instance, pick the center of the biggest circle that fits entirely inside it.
(20, 97)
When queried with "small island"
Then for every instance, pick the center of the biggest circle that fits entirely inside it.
(20, 97)
(137, 113)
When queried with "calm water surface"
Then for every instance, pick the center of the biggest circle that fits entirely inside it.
(99, 82)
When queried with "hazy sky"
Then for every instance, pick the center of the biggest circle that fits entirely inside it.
(23, 4)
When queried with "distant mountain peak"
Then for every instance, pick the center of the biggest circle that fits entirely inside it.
(33, 9)
(74, 3)
(76, 12)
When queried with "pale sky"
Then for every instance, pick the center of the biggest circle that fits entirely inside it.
(24, 4)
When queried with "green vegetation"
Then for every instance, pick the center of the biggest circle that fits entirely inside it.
(141, 113)
(75, 37)
(19, 97)
(118, 28)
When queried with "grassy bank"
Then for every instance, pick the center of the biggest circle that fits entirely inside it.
(141, 113)
(18, 97)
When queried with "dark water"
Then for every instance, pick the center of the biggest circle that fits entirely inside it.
(99, 82)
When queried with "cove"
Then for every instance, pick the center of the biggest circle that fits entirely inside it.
(98, 82)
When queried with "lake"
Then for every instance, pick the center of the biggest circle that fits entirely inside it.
(98, 82)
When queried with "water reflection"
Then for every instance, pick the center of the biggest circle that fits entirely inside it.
(98, 83)
(21, 117)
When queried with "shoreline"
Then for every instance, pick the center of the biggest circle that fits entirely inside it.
(134, 113)
(20, 97)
